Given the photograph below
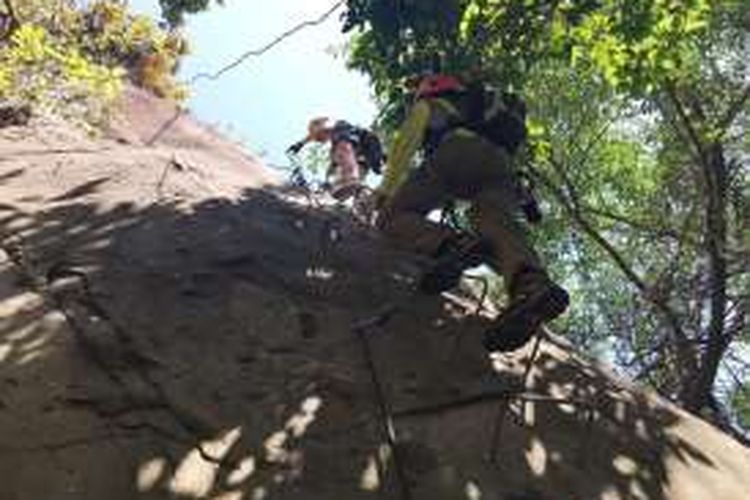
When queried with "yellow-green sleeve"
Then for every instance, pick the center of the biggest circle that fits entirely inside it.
(405, 144)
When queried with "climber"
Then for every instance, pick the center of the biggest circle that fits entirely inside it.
(467, 135)
(354, 152)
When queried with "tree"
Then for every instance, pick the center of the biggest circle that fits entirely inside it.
(71, 60)
(638, 119)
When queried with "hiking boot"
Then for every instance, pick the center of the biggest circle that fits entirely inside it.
(457, 255)
(514, 327)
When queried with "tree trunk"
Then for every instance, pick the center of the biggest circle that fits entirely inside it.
(697, 390)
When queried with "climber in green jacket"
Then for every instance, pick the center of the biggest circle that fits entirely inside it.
(467, 136)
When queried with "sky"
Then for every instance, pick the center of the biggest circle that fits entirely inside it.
(267, 101)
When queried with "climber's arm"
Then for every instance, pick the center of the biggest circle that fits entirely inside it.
(405, 145)
(296, 147)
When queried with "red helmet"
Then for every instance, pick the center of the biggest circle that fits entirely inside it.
(431, 85)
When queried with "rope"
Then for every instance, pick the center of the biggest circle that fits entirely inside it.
(504, 405)
(258, 52)
(241, 59)
(385, 416)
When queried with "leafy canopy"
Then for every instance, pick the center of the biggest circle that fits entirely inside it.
(632, 44)
(638, 119)
(174, 11)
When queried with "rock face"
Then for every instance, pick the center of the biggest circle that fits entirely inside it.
(173, 326)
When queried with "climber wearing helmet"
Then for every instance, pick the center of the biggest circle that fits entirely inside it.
(467, 135)
(354, 151)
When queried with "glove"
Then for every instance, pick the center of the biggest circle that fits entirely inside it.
(378, 200)
(532, 212)
(296, 147)
(528, 203)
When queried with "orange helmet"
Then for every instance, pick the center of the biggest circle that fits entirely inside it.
(432, 85)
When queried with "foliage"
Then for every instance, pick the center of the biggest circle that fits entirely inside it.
(741, 399)
(174, 10)
(502, 40)
(57, 79)
(73, 61)
(108, 34)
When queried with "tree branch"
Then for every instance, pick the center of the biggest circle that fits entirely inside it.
(13, 17)
(640, 225)
(9, 8)
(734, 109)
(712, 163)
(693, 138)
(722, 420)
(571, 204)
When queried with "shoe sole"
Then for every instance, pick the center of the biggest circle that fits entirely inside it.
(443, 277)
(438, 280)
(516, 327)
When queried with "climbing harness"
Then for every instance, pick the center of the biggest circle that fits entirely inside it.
(359, 203)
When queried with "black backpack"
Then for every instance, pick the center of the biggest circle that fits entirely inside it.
(497, 116)
(366, 143)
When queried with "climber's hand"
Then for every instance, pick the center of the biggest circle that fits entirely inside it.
(532, 212)
(378, 200)
(295, 148)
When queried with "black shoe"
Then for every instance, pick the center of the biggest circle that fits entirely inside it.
(514, 327)
(451, 264)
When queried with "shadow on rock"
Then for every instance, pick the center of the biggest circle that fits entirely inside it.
(208, 352)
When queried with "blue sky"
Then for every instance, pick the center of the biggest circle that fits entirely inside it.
(267, 101)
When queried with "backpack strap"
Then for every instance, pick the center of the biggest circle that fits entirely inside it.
(367, 145)
(345, 131)
(497, 116)
(445, 115)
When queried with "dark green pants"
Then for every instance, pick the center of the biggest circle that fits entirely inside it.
(465, 167)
